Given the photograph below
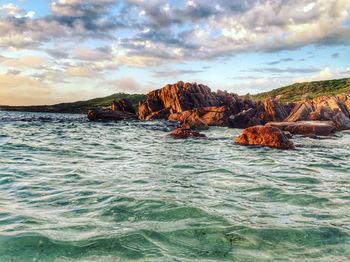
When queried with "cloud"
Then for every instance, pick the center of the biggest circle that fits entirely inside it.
(289, 70)
(280, 61)
(335, 55)
(125, 84)
(32, 62)
(326, 73)
(187, 30)
(79, 40)
(175, 73)
(81, 72)
(89, 54)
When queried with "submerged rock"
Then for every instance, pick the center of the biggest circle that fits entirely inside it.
(306, 128)
(185, 132)
(108, 114)
(265, 136)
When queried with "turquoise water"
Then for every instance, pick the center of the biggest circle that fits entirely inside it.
(71, 190)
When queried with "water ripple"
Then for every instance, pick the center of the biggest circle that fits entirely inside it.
(126, 191)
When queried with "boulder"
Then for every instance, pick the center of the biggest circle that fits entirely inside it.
(108, 114)
(306, 128)
(123, 105)
(185, 132)
(265, 136)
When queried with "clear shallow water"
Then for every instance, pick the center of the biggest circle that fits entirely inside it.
(71, 190)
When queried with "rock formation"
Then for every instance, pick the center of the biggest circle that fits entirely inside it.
(325, 108)
(177, 98)
(306, 128)
(120, 110)
(123, 105)
(198, 106)
(265, 136)
(107, 115)
(201, 117)
(275, 110)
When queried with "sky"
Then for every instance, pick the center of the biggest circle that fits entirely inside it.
(68, 50)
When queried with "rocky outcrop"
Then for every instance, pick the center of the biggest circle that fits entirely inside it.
(265, 136)
(108, 114)
(178, 98)
(123, 105)
(325, 108)
(197, 105)
(306, 128)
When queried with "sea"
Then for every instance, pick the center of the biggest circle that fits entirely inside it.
(74, 190)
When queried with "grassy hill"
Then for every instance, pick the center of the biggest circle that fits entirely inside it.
(80, 106)
(297, 91)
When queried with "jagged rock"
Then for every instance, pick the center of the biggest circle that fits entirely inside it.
(123, 105)
(325, 108)
(301, 112)
(161, 114)
(200, 118)
(345, 100)
(178, 98)
(232, 102)
(265, 136)
(197, 104)
(244, 119)
(306, 128)
(107, 114)
(275, 110)
(185, 132)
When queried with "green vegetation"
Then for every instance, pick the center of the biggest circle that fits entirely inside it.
(80, 106)
(297, 91)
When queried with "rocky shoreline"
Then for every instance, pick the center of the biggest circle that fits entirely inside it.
(266, 123)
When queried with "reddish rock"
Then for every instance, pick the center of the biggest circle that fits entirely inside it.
(197, 104)
(201, 118)
(161, 114)
(324, 108)
(265, 136)
(275, 110)
(318, 128)
(178, 98)
(107, 114)
(123, 105)
(185, 132)
(301, 112)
